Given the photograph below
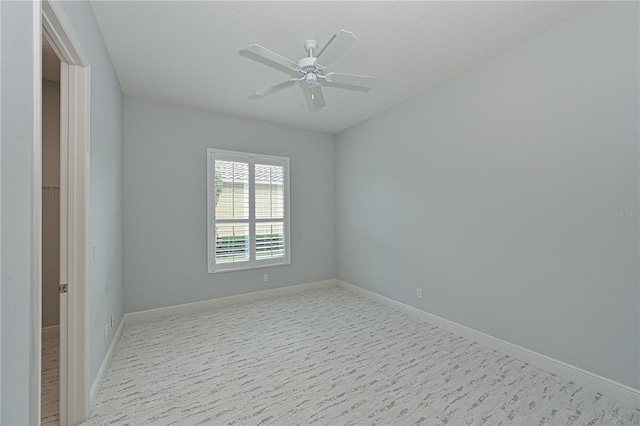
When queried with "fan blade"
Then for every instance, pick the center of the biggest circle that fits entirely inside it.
(336, 47)
(272, 56)
(275, 88)
(352, 80)
(317, 97)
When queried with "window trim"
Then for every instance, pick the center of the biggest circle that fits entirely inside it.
(214, 154)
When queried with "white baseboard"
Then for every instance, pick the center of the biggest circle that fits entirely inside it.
(608, 387)
(50, 332)
(224, 301)
(95, 386)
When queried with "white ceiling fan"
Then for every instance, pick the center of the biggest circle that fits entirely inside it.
(312, 69)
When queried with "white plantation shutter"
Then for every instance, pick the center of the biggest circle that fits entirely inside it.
(232, 243)
(269, 211)
(232, 212)
(248, 210)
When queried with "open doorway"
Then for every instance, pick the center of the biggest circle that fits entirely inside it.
(69, 201)
(50, 368)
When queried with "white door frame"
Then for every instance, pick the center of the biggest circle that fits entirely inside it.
(74, 215)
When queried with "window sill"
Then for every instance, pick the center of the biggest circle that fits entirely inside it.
(248, 268)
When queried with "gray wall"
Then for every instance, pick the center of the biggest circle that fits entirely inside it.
(165, 203)
(17, 167)
(50, 203)
(50, 132)
(105, 207)
(489, 192)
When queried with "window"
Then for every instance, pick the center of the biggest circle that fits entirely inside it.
(248, 210)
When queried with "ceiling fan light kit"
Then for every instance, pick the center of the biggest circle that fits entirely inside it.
(312, 69)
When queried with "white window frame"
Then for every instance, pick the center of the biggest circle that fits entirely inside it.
(214, 154)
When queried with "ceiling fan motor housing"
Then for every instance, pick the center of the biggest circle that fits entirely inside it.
(307, 65)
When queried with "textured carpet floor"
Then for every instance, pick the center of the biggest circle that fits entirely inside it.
(328, 357)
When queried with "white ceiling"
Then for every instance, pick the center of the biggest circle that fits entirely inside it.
(187, 53)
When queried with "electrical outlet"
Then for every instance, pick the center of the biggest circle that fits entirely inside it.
(265, 277)
(113, 321)
(419, 293)
(106, 331)
(94, 251)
